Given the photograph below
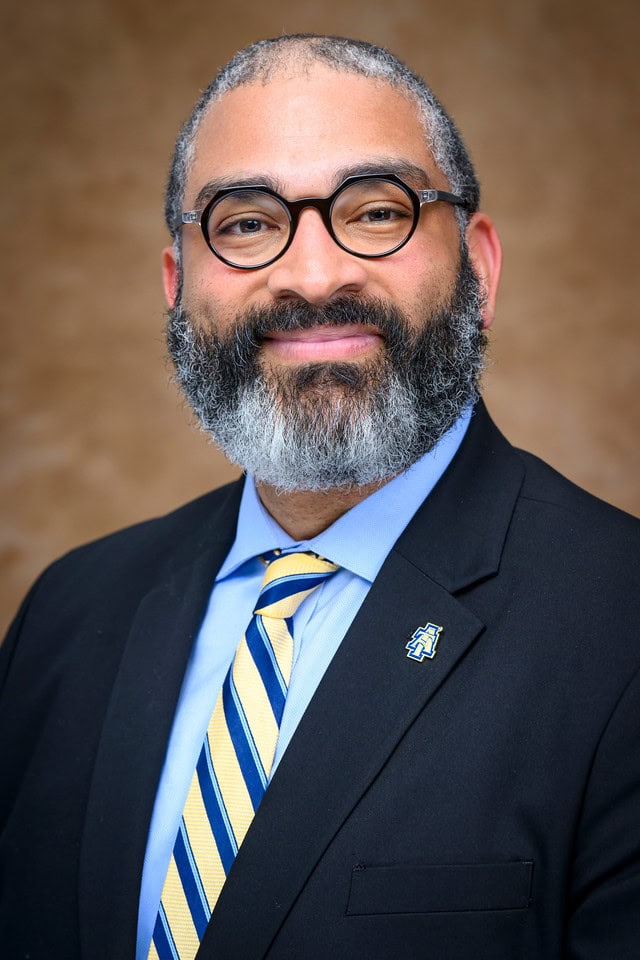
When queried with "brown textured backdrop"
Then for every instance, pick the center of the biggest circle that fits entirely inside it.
(92, 93)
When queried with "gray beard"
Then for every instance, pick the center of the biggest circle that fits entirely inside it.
(327, 425)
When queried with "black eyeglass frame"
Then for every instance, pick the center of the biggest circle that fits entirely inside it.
(324, 206)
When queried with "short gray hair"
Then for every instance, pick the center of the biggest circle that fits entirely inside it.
(259, 61)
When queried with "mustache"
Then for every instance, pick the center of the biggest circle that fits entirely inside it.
(240, 345)
(302, 315)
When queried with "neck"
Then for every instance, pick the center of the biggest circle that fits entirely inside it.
(306, 513)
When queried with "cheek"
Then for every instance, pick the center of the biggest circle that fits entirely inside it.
(212, 282)
(417, 280)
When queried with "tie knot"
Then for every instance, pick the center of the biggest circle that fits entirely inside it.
(288, 579)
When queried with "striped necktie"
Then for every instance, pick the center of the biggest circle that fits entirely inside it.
(234, 765)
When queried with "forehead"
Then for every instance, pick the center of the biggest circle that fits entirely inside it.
(301, 127)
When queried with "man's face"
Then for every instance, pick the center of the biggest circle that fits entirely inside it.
(306, 131)
(323, 369)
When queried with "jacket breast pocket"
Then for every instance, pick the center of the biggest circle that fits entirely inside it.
(440, 888)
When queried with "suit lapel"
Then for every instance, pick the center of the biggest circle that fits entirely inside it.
(458, 535)
(135, 735)
(372, 691)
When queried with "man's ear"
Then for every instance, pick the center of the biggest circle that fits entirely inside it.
(485, 251)
(170, 275)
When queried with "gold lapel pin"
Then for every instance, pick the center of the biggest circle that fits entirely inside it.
(423, 642)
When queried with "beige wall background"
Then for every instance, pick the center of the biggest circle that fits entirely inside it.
(92, 92)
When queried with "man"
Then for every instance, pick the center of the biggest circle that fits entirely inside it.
(447, 723)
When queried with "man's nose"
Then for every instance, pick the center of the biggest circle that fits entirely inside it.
(315, 268)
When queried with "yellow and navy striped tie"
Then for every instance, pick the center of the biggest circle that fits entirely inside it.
(234, 765)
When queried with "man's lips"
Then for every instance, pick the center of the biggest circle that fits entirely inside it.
(323, 343)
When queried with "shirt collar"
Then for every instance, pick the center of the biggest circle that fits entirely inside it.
(362, 537)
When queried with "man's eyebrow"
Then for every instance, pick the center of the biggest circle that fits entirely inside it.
(211, 187)
(414, 175)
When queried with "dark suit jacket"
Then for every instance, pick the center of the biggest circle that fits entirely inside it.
(480, 805)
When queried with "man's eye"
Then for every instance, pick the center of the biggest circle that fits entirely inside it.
(381, 214)
(242, 226)
(249, 226)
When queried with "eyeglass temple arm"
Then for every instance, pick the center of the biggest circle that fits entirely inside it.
(430, 196)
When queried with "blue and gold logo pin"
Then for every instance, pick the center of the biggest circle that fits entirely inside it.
(423, 642)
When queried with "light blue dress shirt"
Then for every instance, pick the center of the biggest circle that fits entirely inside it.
(358, 542)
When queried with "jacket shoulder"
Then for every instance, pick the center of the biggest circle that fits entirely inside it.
(550, 492)
(113, 572)
(191, 526)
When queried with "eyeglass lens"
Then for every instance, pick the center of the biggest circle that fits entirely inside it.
(370, 217)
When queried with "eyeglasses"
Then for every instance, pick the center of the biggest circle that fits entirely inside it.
(369, 216)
